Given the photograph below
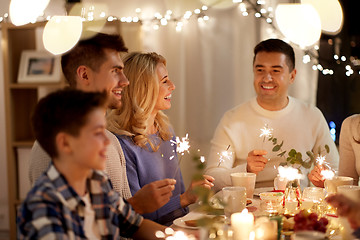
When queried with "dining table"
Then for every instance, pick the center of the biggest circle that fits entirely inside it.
(201, 233)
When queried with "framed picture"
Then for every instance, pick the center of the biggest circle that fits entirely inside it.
(39, 66)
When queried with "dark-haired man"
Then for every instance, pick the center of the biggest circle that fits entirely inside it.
(95, 64)
(301, 126)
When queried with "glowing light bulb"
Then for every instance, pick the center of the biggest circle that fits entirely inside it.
(24, 11)
(61, 33)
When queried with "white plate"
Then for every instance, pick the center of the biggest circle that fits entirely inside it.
(257, 191)
(180, 222)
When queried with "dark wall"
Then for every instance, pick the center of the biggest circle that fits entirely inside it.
(338, 95)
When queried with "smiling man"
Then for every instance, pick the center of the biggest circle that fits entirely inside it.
(301, 126)
(95, 64)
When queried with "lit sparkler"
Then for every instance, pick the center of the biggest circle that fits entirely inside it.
(266, 132)
(225, 155)
(182, 146)
(327, 173)
(289, 173)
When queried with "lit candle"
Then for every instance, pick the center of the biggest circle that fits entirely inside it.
(242, 224)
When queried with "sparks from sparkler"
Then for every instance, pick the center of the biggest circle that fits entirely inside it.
(289, 173)
(266, 132)
(182, 146)
(225, 155)
(327, 173)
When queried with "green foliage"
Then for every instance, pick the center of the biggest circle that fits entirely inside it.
(294, 157)
(206, 197)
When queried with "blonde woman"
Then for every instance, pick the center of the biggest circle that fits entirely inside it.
(146, 135)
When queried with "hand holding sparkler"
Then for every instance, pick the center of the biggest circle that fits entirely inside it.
(256, 161)
(320, 172)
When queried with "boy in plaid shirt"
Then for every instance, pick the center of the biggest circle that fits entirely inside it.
(74, 199)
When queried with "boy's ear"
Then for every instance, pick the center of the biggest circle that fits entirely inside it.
(82, 73)
(62, 143)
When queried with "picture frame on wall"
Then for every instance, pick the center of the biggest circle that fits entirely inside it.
(39, 66)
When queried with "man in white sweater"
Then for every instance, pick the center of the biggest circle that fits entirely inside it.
(95, 64)
(299, 125)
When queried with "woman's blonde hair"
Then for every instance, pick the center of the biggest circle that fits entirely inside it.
(139, 99)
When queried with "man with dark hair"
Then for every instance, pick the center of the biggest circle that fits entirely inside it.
(94, 64)
(73, 198)
(301, 126)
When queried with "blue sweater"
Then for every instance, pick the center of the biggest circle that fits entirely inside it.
(144, 166)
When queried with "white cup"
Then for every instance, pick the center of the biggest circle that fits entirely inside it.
(234, 199)
(280, 183)
(332, 184)
(350, 191)
(246, 180)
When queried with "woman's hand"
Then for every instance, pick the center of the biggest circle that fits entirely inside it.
(188, 197)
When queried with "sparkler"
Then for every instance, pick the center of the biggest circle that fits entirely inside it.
(266, 132)
(289, 173)
(225, 155)
(327, 173)
(182, 146)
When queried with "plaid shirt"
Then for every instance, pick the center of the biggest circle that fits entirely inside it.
(53, 210)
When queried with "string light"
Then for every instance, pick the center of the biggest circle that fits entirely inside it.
(245, 6)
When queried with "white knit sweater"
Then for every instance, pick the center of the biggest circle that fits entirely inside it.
(300, 125)
(349, 164)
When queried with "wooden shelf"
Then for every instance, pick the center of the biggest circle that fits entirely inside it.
(35, 85)
(28, 143)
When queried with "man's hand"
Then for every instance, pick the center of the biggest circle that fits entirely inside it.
(188, 197)
(256, 161)
(152, 196)
(315, 176)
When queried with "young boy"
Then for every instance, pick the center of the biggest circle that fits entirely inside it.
(72, 199)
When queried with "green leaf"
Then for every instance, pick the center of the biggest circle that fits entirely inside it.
(292, 153)
(276, 148)
(270, 138)
(307, 165)
(282, 154)
(274, 140)
(327, 148)
(281, 144)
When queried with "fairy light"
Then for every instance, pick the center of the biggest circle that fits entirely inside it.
(202, 159)
(204, 8)
(306, 58)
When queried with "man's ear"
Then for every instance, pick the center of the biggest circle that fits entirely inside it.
(292, 76)
(62, 143)
(82, 73)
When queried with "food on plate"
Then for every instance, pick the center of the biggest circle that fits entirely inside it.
(197, 222)
(248, 202)
(288, 224)
(310, 221)
(191, 223)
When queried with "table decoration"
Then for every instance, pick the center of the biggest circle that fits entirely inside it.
(242, 225)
